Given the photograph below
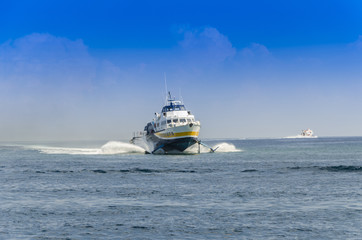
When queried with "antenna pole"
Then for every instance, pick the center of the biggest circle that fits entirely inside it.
(165, 86)
(179, 90)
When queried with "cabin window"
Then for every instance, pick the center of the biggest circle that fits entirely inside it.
(175, 120)
(173, 108)
(182, 120)
(169, 121)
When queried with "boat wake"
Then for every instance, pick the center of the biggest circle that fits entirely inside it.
(300, 136)
(220, 148)
(112, 147)
(226, 147)
(117, 147)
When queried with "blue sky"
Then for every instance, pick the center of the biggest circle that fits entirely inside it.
(95, 69)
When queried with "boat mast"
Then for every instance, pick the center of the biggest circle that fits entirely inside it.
(165, 88)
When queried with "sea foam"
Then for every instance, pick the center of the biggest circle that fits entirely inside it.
(226, 147)
(220, 147)
(117, 147)
(111, 147)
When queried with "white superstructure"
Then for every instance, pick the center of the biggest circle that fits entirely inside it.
(172, 130)
(175, 121)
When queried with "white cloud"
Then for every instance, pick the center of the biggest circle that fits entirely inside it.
(207, 44)
(48, 83)
(43, 60)
(255, 50)
(44, 46)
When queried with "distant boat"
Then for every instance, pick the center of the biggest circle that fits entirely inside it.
(308, 133)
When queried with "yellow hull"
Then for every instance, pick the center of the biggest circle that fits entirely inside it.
(179, 132)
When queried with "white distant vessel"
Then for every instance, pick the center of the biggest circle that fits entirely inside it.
(308, 133)
(171, 131)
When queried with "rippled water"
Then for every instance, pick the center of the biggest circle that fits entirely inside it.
(272, 189)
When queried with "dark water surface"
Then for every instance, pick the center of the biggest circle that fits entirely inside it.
(273, 189)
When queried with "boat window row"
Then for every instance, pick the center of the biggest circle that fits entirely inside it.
(173, 108)
(175, 120)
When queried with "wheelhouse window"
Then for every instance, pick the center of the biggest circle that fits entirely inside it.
(180, 108)
(182, 120)
(168, 121)
(189, 120)
(173, 108)
(175, 120)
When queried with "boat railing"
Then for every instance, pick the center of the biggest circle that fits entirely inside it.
(139, 134)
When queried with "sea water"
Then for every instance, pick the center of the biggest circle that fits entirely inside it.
(248, 189)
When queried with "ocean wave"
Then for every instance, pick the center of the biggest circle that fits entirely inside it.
(249, 170)
(147, 170)
(131, 170)
(342, 168)
(337, 168)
